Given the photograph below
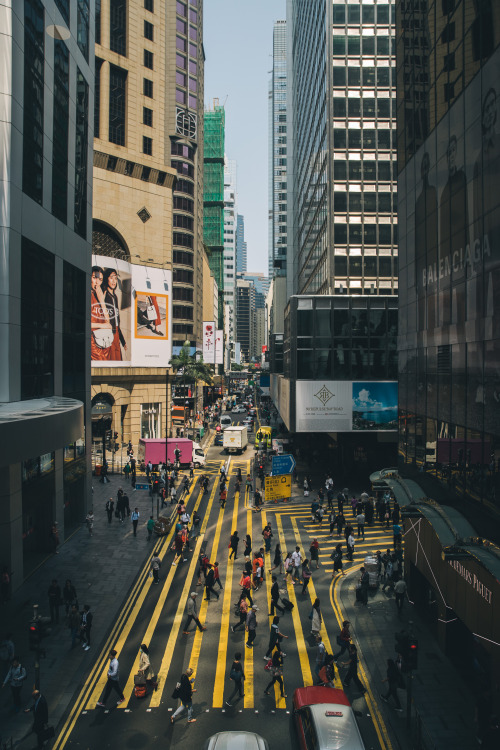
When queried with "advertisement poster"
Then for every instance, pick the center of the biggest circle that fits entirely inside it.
(219, 347)
(346, 406)
(208, 349)
(130, 314)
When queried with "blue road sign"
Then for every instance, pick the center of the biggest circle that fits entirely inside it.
(282, 465)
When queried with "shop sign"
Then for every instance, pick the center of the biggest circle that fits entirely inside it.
(472, 580)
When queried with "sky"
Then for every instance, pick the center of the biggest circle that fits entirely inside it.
(238, 41)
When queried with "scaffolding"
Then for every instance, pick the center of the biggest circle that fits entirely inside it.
(213, 190)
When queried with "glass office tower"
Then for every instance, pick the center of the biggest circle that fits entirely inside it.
(448, 67)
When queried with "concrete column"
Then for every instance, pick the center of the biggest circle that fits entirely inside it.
(11, 526)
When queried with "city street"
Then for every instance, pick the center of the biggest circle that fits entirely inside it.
(155, 616)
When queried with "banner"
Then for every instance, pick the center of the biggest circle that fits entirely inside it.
(219, 348)
(130, 314)
(346, 406)
(208, 349)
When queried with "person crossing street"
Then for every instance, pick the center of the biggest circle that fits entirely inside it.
(113, 681)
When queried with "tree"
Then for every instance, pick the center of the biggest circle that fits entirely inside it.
(189, 369)
(236, 367)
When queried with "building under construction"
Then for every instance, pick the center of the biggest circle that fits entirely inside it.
(213, 196)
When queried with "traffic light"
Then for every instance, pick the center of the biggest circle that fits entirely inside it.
(34, 635)
(115, 436)
(412, 658)
(156, 487)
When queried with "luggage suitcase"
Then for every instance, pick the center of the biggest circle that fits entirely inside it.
(288, 605)
(140, 691)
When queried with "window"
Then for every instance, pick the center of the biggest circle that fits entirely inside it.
(81, 153)
(354, 139)
(384, 170)
(63, 6)
(354, 170)
(118, 26)
(339, 138)
(340, 202)
(368, 41)
(184, 222)
(184, 240)
(193, 67)
(370, 170)
(355, 202)
(339, 76)
(180, 44)
(370, 202)
(193, 50)
(383, 45)
(37, 320)
(182, 258)
(370, 234)
(117, 104)
(384, 234)
(339, 107)
(151, 421)
(340, 235)
(353, 76)
(147, 145)
(148, 31)
(193, 33)
(82, 27)
(97, 97)
(149, 5)
(338, 14)
(74, 355)
(368, 76)
(180, 96)
(183, 186)
(384, 265)
(147, 117)
(148, 59)
(180, 61)
(193, 86)
(180, 26)
(354, 107)
(449, 62)
(193, 16)
(368, 14)
(182, 276)
(340, 170)
(192, 100)
(97, 21)
(369, 108)
(147, 87)
(353, 14)
(382, 15)
(182, 295)
(339, 45)
(34, 53)
(383, 76)
(384, 108)
(384, 202)
(384, 139)
(181, 9)
(180, 78)
(353, 45)
(182, 312)
(60, 132)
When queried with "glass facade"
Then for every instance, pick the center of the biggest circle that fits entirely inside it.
(60, 132)
(73, 347)
(34, 58)
(449, 218)
(37, 320)
(81, 153)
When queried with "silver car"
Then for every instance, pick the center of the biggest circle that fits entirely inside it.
(235, 741)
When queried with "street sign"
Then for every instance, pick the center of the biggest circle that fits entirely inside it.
(284, 464)
(279, 487)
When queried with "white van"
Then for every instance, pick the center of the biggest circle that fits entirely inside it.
(225, 421)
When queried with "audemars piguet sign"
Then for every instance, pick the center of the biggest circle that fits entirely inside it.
(472, 580)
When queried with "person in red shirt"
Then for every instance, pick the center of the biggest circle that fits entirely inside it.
(246, 586)
(217, 575)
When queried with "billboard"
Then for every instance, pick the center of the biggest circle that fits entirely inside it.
(219, 347)
(130, 312)
(346, 406)
(208, 348)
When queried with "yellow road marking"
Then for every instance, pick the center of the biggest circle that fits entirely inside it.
(220, 673)
(312, 594)
(127, 691)
(169, 650)
(70, 722)
(99, 686)
(249, 691)
(301, 646)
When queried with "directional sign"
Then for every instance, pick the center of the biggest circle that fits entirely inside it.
(278, 488)
(283, 465)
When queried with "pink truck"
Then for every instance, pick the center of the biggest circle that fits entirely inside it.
(162, 450)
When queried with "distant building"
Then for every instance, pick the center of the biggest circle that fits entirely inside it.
(241, 245)
(278, 154)
(213, 195)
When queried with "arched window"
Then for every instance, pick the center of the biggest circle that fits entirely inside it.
(107, 241)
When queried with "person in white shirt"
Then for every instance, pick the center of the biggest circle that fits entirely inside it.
(350, 547)
(296, 561)
(112, 683)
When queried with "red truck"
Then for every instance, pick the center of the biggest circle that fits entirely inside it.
(162, 450)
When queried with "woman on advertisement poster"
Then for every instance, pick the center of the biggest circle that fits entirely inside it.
(102, 332)
(109, 286)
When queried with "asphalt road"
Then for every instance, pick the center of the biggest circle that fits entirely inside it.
(156, 615)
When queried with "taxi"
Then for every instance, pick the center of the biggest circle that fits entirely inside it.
(325, 720)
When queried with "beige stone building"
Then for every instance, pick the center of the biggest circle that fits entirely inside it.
(148, 183)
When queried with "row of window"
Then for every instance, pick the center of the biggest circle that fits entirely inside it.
(380, 77)
(365, 45)
(367, 138)
(365, 170)
(353, 14)
(366, 108)
(365, 202)
(355, 234)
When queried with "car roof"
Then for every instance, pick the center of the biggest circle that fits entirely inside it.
(236, 740)
(333, 717)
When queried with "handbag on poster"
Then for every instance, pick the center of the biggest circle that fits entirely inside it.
(103, 337)
(150, 312)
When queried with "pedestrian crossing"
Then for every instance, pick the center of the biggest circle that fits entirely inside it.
(210, 652)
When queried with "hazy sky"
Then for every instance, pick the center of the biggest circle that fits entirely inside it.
(238, 40)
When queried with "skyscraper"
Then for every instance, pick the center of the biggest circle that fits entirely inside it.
(342, 106)
(213, 194)
(449, 209)
(230, 213)
(46, 132)
(241, 245)
(278, 154)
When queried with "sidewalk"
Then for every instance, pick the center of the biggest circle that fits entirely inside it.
(443, 704)
(102, 569)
